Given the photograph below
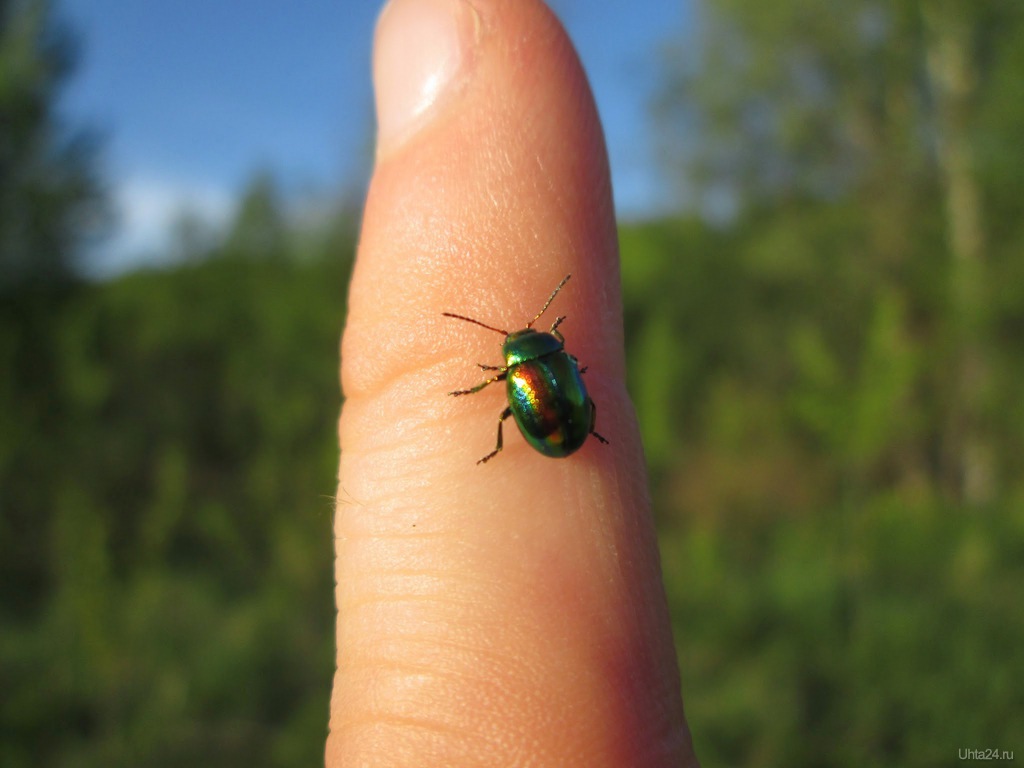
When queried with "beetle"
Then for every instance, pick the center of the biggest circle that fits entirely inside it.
(545, 389)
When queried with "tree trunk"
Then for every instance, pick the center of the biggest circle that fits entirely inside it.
(968, 453)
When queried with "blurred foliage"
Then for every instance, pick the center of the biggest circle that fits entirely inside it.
(166, 596)
(168, 447)
(49, 195)
(832, 604)
(828, 378)
(167, 581)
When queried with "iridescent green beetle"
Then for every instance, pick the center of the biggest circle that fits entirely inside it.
(546, 394)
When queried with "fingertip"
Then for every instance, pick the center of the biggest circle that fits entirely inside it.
(498, 189)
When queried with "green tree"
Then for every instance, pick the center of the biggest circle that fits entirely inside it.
(861, 309)
(876, 113)
(182, 606)
(259, 229)
(48, 197)
(49, 194)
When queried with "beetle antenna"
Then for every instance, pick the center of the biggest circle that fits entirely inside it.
(475, 322)
(550, 299)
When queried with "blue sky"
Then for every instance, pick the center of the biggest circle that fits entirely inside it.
(194, 97)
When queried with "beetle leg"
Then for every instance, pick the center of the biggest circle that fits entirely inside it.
(500, 377)
(491, 367)
(583, 369)
(593, 422)
(501, 419)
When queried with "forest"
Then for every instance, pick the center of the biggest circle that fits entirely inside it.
(825, 344)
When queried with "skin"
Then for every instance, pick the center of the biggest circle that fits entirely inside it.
(513, 613)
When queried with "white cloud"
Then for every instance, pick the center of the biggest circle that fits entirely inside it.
(146, 209)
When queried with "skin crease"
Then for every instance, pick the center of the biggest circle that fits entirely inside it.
(508, 614)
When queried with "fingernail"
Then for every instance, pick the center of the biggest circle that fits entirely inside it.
(421, 52)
